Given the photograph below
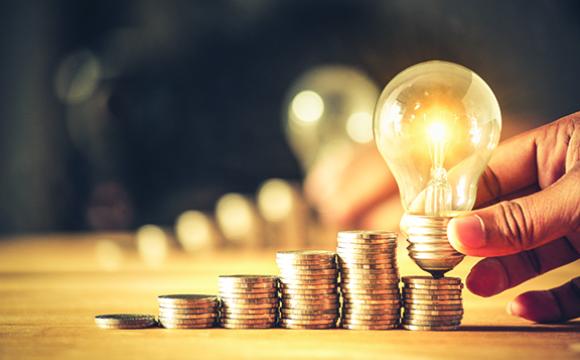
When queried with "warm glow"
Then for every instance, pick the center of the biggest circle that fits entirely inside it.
(275, 200)
(359, 127)
(194, 231)
(437, 132)
(152, 244)
(307, 106)
(235, 217)
(109, 254)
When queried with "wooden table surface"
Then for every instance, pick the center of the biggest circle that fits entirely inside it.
(51, 287)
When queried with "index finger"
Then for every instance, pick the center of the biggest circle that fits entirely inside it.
(533, 159)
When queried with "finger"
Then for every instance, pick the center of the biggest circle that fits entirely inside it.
(556, 305)
(537, 157)
(493, 275)
(521, 224)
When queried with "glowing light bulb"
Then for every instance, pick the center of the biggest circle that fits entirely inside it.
(436, 125)
(329, 110)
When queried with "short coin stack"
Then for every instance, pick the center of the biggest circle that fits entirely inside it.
(432, 304)
(369, 280)
(125, 321)
(249, 301)
(308, 285)
(187, 311)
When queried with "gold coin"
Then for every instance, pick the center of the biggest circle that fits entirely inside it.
(247, 289)
(265, 318)
(370, 327)
(433, 287)
(186, 311)
(307, 326)
(366, 234)
(305, 254)
(234, 306)
(308, 288)
(308, 321)
(309, 282)
(356, 322)
(187, 300)
(310, 317)
(433, 307)
(287, 303)
(188, 326)
(125, 321)
(298, 312)
(431, 292)
(430, 328)
(265, 325)
(175, 322)
(412, 298)
(431, 322)
(334, 297)
(187, 316)
(420, 312)
(248, 297)
(418, 320)
(247, 279)
(371, 317)
(357, 301)
(413, 302)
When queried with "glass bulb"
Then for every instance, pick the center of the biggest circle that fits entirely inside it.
(329, 109)
(436, 125)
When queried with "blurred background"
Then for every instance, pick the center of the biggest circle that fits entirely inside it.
(189, 120)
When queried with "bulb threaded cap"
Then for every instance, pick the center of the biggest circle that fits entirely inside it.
(428, 243)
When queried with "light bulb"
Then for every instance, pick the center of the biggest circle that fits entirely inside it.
(329, 110)
(436, 125)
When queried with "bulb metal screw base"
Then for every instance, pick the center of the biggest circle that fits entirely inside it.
(428, 243)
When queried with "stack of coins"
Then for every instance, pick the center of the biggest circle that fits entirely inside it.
(187, 311)
(249, 301)
(369, 280)
(432, 304)
(308, 285)
(125, 321)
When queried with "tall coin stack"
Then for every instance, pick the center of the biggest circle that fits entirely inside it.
(308, 285)
(190, 311)
(432, 304)
(249, 301)
(369, 280)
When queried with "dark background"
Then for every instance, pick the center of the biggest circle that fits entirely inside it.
(186, 101)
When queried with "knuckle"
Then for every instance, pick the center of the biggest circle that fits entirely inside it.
(514, 226)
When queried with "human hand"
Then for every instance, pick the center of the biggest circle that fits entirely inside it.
(531, 224)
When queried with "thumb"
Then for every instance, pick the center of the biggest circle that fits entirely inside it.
(513, 226)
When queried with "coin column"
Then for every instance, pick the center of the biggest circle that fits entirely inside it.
(369, 280)
(308, 285)
(187, 311)
(432, 304)
(248, 301)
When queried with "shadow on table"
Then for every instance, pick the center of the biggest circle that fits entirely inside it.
(572, 326)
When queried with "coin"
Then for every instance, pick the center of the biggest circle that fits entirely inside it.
(125, 321)
(328, 322)
(433, 287)
(248, 326)
(419, 312)
(247, 279)
(187, 311)
(431, 302)
(414, 327)
(307, 326)
(305, 254)
(430, 280)
(366, 234)
(370, 327)
(430, 292)
(187, 316)
(186, 300)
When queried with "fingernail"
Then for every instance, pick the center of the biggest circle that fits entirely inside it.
(468, 231)
(487, 278)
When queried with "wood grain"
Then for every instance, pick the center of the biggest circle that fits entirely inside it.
(52, 286)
